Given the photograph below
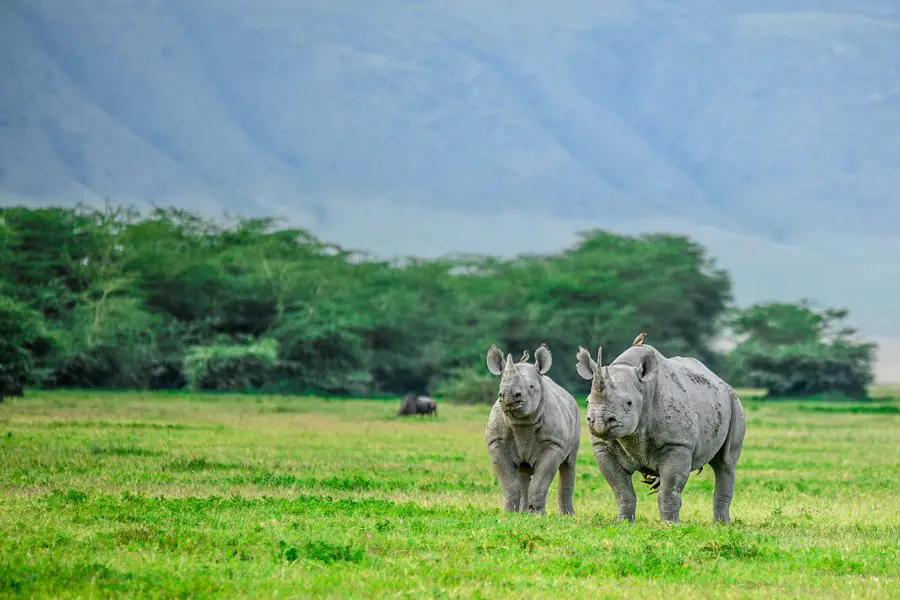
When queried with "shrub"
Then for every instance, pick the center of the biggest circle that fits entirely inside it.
(23, 338)
(798, 350)
(468, 386)
(236, 367)
(809, 369)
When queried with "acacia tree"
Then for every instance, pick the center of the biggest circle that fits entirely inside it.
(157, 299)
(797, 350)
(110, 335)
(23, 342)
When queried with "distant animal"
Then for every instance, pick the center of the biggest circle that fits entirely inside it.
(417, 405)
(639, 340)
(663, 417)
(533, 431)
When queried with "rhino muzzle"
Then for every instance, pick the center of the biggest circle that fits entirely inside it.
(603, 425)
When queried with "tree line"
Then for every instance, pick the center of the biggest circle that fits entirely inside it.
(116, 298)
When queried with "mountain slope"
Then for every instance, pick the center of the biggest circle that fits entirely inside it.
(770, 128)
(775, 120)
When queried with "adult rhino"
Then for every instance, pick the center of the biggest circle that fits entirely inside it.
(663, 417)
(417, 405)
(533, 431)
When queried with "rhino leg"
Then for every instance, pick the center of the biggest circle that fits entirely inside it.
(674, 470)
(723, 493)
(619, 480)
(724, 465)
(524, 483)
(544, 470)
(566, 490)
(507, 474)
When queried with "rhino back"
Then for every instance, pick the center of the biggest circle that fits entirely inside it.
(693, 407)
(632, 356)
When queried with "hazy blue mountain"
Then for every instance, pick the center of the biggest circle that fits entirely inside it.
(768, 130)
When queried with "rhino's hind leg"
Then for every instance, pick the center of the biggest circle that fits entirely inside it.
(724, 465)
(524, 482)
(723, 492)
(674, 470)
(566, 490)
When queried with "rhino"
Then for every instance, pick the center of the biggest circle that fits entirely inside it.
(663, 417)
(417, 405)
(533, 431)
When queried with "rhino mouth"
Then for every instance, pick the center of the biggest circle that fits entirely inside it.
(607, 433)
(510, 404)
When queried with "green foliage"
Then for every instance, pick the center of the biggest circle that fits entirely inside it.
(23, 340)
(468, 386)
(231, 366)
(780, 323)
(126, 295)
(795, 350)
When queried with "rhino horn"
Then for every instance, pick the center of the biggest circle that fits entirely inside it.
(509, 367)
(598, 383)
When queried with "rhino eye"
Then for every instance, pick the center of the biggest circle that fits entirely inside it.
(628, 404)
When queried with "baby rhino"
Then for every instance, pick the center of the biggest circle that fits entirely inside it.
(663, 417)
(533, 432)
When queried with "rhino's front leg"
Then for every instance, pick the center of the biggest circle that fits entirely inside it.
(618, 479)
(674, 470)
(544, 470)
(507, 474)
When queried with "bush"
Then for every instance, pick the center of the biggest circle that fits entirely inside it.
(23, 338)
(798, 350)
(808, 369)
(316, 360)
(115, 343)
(236, 367)
(468, 387)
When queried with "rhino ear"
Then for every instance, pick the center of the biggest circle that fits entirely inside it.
(585, 366)
(543, 359)
(495, 360)
(649, 367)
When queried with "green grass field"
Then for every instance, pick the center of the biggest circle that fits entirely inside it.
(165, 495)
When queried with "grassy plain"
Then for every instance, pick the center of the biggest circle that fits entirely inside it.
(166, 495)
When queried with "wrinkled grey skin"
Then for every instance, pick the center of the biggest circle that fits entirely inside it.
(663, 417)
(534, 431)
(417, 405)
